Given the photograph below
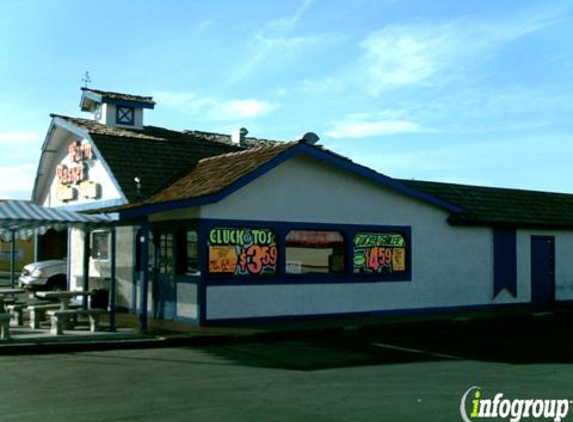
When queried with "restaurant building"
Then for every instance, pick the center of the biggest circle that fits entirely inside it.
(218, 228)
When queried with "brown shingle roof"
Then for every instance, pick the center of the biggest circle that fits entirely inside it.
(504, 207)
(156, 155)
(212, 175)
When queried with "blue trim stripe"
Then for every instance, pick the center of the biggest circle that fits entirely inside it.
(295, 150)
(127, 103)
(504, 261)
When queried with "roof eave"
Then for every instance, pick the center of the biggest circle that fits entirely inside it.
(136, 211)
(89, 99)
(469, 220)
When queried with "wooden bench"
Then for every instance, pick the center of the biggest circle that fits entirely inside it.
(61, 318)
(5, 326)
(38, 313)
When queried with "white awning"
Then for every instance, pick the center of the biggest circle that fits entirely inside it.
(25, 219)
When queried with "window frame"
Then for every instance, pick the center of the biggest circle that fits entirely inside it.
(316, 274)
(95, 233)
(120, 109)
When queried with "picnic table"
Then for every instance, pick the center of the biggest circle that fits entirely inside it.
(8, 292)
(67, 318)
(63, 296)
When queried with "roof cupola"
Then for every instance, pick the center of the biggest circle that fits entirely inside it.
(115, 109)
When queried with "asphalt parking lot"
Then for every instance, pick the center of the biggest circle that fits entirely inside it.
(398, 372)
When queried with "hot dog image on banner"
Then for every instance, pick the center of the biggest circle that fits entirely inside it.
(379, 253)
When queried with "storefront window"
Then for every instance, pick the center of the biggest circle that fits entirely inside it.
(100, 245)
(191, 258)
(376, 253)
(242, 251)
(314, 251)
(165, 253)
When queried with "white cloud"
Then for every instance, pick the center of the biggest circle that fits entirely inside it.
(427, 54)
(484, 162)
(204, 24)
(17, 182)
(243, 109)
(404, 55)
(264, 46)
(385, 123)
(188, 102)
(19, 137)
(323, 86)
(288, 23)
(214, 108)
(274, 42)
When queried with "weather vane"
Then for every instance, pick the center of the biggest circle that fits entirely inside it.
(86, 79)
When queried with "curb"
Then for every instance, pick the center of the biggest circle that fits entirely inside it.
(158, 341)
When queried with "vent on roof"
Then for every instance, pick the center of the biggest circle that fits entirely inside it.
(310, 138)
(238, 136)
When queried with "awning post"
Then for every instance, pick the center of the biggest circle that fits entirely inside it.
(86, 266)
(113, 282)
(144, 274)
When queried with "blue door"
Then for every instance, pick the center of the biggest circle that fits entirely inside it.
(542, 270)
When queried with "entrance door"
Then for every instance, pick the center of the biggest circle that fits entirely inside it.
(164, 289)
(542, 270)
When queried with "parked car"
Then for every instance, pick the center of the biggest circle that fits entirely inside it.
(44, 275)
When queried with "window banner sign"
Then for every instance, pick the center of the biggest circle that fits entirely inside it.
(379, 253)
(240, 251)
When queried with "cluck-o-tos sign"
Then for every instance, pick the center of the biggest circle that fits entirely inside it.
(76, 172)
(73, 171)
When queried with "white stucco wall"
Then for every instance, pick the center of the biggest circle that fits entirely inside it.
(99, 270)
(451, 266)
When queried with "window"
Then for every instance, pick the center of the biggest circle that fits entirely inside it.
(242, 251)
(376, 253)
(125, 115)
(191, 256)
(100, 245)
(314, 251)
(165, 253)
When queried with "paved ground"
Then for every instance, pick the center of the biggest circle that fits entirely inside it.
(398, 372)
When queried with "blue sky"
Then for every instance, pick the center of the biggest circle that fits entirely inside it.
(476, 92)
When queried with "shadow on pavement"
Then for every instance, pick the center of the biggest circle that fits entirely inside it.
(313, 354)
(542, 338)
(514, 340)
